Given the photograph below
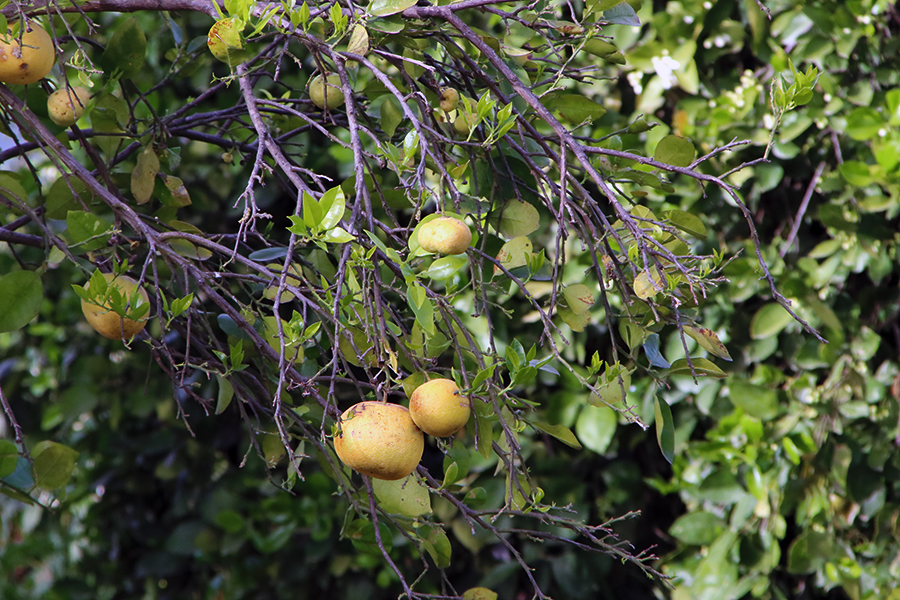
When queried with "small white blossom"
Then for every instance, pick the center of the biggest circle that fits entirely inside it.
(664, 68)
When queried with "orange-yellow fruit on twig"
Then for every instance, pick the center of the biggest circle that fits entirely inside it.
(106, 321)
(66, 105)
(379, 440)
(438, 409)
(444, 235)
(29, 61)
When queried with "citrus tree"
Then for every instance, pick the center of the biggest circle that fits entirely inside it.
(556, 212)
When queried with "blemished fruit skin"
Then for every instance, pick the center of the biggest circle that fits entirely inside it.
(317, 89)
(109, 324)
(30, 62)
(449, 99)
(66, 105)
(438, 409)
(379, 440)
(445, 235)
(226, 43)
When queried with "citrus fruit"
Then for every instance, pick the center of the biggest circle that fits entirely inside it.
(438, 409)
(379, 440)
(106, 321)
(30, 61)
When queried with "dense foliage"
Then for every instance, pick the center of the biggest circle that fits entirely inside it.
(677, 320)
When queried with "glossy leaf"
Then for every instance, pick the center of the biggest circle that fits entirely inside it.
(126, 51)
(560, 432)
(53, 464)
(143, 176)
(665, 428)
(769, 321)
(21, 294)
(596, 426)
(519, 218)
(407, 496)
(675, 151)
(708, 340)
(384, 8)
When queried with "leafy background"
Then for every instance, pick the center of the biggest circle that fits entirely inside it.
(783, 474)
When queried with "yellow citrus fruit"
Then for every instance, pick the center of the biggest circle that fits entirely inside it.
(438, 409)
(226, 42)
(106, 321)
(326, 91)
(30, 61)
(449, 99)
(66, 105)
(444, 235)
(379, 440)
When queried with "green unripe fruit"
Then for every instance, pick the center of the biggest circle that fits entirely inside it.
(327, 91)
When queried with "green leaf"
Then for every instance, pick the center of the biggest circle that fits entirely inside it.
(447, 266)
(686, 222)
(337, 235)
(597, 46)
(646, 285)
(437, 544)
(361, 534)
(332, 204)
(226, 393)
(383, 8)
(9, 458)
(519, 218)
(697, 528)
(596, 426)
(675, 151)
(125, 52)
(11, 186)
(856, 173)
(21, 294)
(407, 496)
(579, 297)
(708, 340)
(560, 432)
(757, 401)
(769, 321)
(702, 368)
(622, 14)
(391, 115)
(574, 108)
(178, 195)
(53, 464)
(577, 322)
(864, 123)
(809, 551)
(86, 231)
(143, 177)
(312, 213)
(665, 429)
(359, 41)
(514, 253)
(484, 427)
(21, 478)
(60, 198)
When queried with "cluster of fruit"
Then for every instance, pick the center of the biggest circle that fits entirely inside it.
(27, 56)
(385, 441)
